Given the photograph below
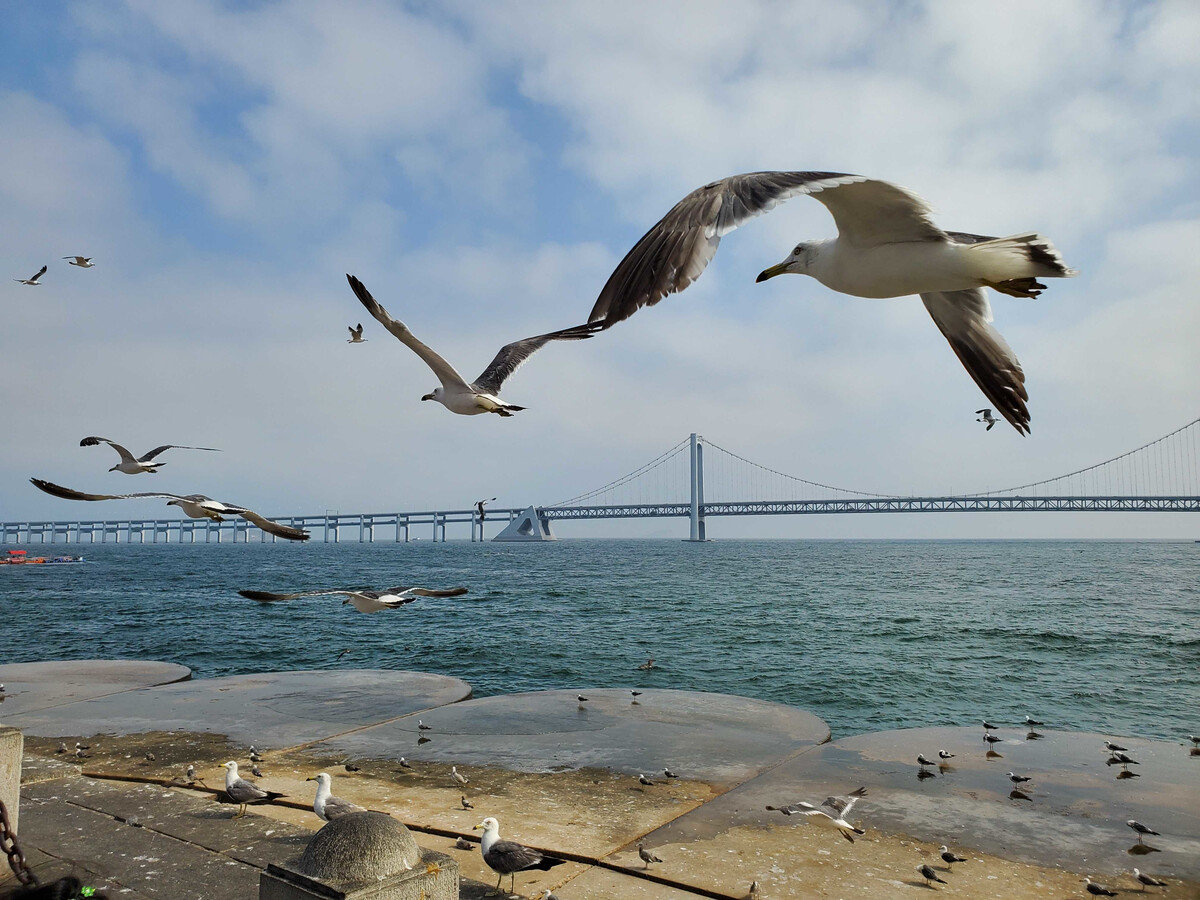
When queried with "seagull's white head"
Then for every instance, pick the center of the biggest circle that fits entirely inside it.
(797, 262)
(230, 766)
(488, 824)
(321, 778)
(436, 395)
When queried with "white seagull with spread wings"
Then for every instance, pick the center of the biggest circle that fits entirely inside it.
(356, 334)
(482, 395)
(131, 466)
(887, 246)
(832, 809)
(34, 280)
(365, 601)
(84, 262)
(194, 506)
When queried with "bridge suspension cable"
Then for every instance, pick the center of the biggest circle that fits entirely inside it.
(654, 464)
(751, 482)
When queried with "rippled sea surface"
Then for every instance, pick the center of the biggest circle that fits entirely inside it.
(868, 635)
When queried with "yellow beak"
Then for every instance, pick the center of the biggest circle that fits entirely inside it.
(771, 272)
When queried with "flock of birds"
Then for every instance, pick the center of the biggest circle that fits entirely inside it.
(887, 246)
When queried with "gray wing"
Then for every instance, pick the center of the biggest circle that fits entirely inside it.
(269, 597)
(336, 807)
(270, 527)
(126, 456)
(512, 356)
(157, 450)
(242, 791)
(869, 213)
(67, 494)
(428, 592)
(673, 253)
(509, 856)
(445, 372)
(964, 318)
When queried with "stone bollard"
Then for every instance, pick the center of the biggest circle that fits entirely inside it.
(363, 855)
(12, 743)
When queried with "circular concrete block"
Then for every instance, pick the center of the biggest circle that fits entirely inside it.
(365, 846)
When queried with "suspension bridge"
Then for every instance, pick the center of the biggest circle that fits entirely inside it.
(697, 479)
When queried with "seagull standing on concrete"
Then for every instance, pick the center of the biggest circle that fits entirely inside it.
(483, 394)
(1098, 890)
(945, 755)
(887, 246)
(1147, 880)
(327, 806)
(948, 857)
(1114, 748)
(1019, 779)
(642, 779)
(923, 762)
(84, 262)
(242, 792)
(34, 280)
(356, 334)
(509, 857)
(1141, 829)
(459, 777)
(929, 874)
(647, 856)
(131, 466)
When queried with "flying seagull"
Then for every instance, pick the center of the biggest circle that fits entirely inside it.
(131, 466)
(327, 806)
(834, 809)
(356, 335)
(363, 600)
(509, 857)
(929, 874)
(84, 262)
(34, 279)
(481, 395)
(479, 507)
(194, 506)
(985, 415)
(647, 856)
(242, 792)
(887, 246)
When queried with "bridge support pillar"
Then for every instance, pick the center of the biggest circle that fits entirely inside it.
(697, 532)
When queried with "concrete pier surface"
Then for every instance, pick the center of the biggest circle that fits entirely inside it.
(561, 775)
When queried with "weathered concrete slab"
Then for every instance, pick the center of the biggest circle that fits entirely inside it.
(1074, 819)
(274, 710)
(604, 884)
(715, 738)
(11, 745)
(42, 685)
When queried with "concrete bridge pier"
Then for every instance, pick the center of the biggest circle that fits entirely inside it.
(697, 532)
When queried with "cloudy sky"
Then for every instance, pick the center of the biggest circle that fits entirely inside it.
(483, 166)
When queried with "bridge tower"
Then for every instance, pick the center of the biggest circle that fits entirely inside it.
(697, 513)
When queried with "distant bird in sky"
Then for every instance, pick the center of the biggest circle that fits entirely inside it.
(887, 246)
(985, 415)
(365, 601)
(929, 874)
(647, 856)
(481, 395)
(194, 506)
(131, 466)
(84, 262)
(356, 335)
(242, 792)
(327, 806)
(479, 507)
(34, 280)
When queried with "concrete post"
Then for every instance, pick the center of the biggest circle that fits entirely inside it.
(700, 491)
(12, 742)
(694, 534)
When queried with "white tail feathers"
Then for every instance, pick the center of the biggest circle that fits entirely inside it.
(1027, 256)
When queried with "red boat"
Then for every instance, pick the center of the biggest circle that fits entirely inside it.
(22, 558)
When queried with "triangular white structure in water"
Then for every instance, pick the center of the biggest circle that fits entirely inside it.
(528, 526)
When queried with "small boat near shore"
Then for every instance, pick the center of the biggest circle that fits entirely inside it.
(22, 558)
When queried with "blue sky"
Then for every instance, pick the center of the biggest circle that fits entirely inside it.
(482, 167)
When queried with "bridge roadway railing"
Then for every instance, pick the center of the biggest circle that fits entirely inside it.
(328, 528)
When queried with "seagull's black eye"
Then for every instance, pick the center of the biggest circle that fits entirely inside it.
(799, 249)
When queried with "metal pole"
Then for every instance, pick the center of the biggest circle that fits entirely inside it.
(695, 515)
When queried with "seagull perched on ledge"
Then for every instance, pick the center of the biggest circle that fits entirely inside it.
(887, 246)
(242, 792)
(194, 506)
(481, 395)
(363, 600)
(509, 857)
(131, 466)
